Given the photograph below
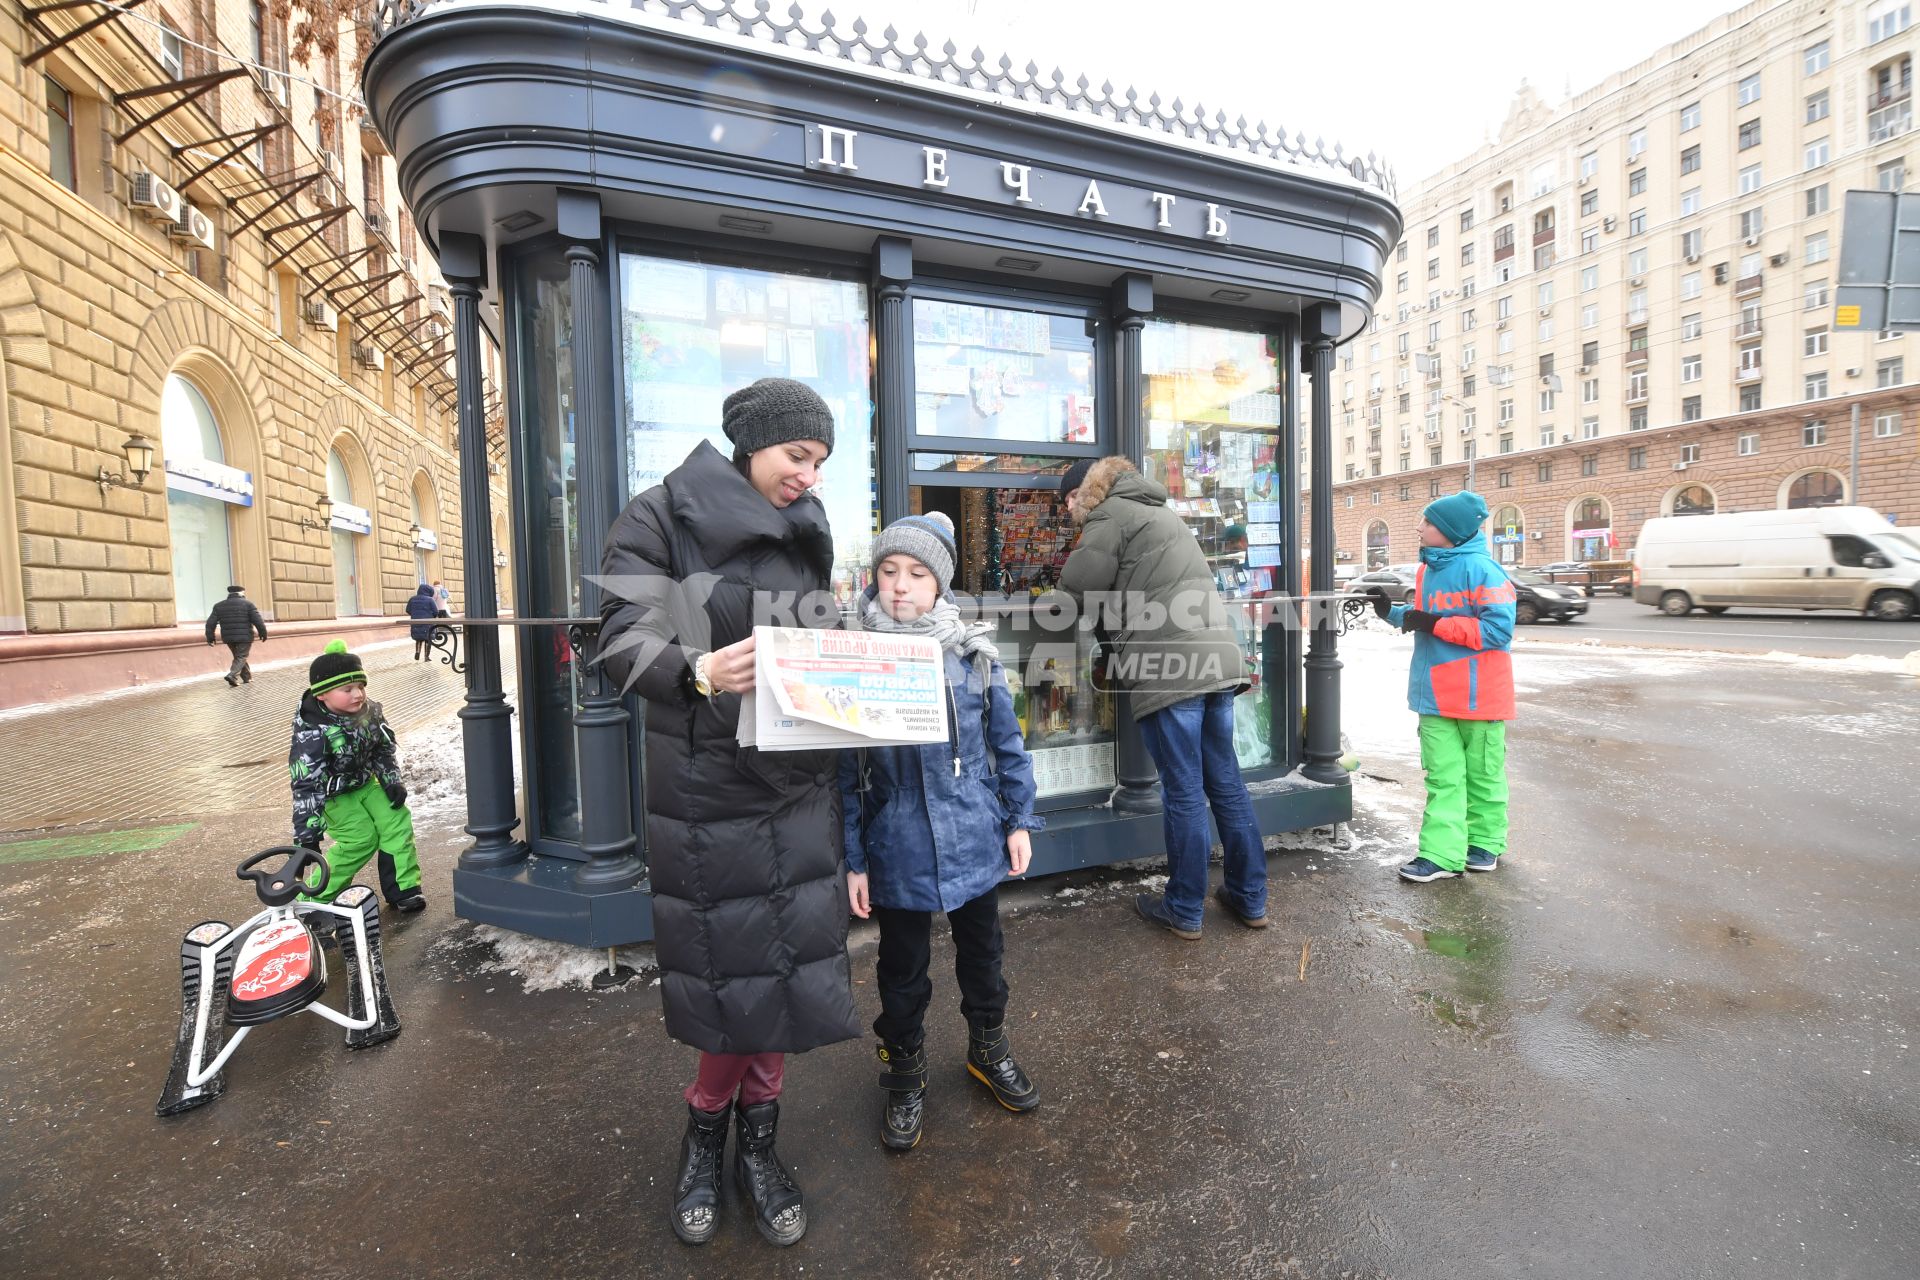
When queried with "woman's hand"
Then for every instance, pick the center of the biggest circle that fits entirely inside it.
(1019, 851)
(730, 670)
(857, 894)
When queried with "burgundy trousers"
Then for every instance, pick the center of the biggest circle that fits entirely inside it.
(756, 1077)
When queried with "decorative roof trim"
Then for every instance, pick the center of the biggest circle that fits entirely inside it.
(971, 73)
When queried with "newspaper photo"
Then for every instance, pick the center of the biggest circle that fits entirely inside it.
(825, 689)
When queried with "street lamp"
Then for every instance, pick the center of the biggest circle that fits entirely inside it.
(138, 452)
(499, 559)
(325, 504)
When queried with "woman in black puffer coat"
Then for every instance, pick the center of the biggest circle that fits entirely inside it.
(749, 897)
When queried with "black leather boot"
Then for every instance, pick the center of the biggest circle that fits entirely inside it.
(696, 1194)
(904, 1076)
(777, 1209)
(990, 1061)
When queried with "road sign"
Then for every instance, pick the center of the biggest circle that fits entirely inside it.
(1879, 262)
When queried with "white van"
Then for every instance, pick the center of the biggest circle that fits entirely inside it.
(1848, 558)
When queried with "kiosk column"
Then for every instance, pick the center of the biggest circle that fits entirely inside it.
(1321, 323)
(1133, 768)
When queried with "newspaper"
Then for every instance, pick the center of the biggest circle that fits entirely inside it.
(819, 690)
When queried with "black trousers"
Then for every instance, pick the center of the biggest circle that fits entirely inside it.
(906, 951)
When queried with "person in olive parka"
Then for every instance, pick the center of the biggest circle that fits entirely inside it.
(749, 898)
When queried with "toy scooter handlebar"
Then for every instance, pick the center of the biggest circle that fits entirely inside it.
(279, 887)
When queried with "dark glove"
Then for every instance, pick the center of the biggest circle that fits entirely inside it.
(312, 843)
(396, 793)
(1380, 606)
(1418, 620)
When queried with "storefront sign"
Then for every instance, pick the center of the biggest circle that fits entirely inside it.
(1500, 539)
(426, 540)
(210, 480)
(351, 518)
(1604, 535)
(873, 157)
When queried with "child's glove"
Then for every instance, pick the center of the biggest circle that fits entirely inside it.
(1418, 620)
(1380, 606)
(396, 793)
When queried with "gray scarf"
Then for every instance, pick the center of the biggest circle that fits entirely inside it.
(942, 624)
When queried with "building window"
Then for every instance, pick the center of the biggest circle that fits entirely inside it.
(1433, 335)
(1814, 343)
(1816, 154)
(1545, 472)
(1889, 373)
(1506, 443)
(1469, 385)
(1543, 257)
(1589, 428)
(1433, 456)
(1349, 498)
(1819, 106)
(1748, 444)
(1400, 282)
(1636, 143)
(1433, 236)
(1637, 419)
(1589, 279)
(1817, 200)
(1590, 390)
(1637, 182)
(1637, 222)
(1590, 465)
(1750, 180)
(1690, 286)
(1815, 59)
(1689, 201)
(1637, 308)
(1690, 368)
(1467, 320)
(1590, 316)
(1546, 329)
(1690, 409)
(1589, 164)
(1466, 254)
(1466, 219)
(1750, 134)
(1374, 497)
(1689, 453)
(1406, 464)
(1637, 261)
(1506, 480)
(1816, 386)
(1589, 240)
(1750, 89)
(1589, 203)
(1690, 117)
(1892, 176)
(1690, 160)
(1546, 400)
(1815, 297)
(1888, 18)
(1589, 354)
(1816, 248)
(59, 134)
(1506, 412)
(1546, 434)
(1813, 434)
(1637, 385)
(1400, 251)
(1637, 458)
(1752, 223)
(1750, 397)
(1544, 176)
(1433, 268)
(1690, 326)
(1886, 424)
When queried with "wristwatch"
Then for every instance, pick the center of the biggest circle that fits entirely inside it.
(701, 685)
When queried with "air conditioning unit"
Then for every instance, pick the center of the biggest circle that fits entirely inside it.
(1752, 241)
(1546, 311)
(1679, 466)
(1466, 363)
(1719, 273)
(1636, 282)
(1583, 368)
(367, 355)
(1584, 180)
(1467, 431)
(280, 88)
(377, 223)
(1854, 373)
(155, 199)
(1501, 324)
(1778, 260)
(320, 315)
(1566, 438)
(194, 227)
(1606, 224)
(1693, 257)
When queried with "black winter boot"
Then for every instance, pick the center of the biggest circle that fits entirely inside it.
(990, 1061)
(777, 1209)
(904, 1076)
(696, 1193)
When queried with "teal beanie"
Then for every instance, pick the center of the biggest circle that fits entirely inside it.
(1458, 515)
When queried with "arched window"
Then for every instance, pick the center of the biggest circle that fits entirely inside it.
(1694, 500)
(200, 490)
(1591, 537)
(1816, 489)
(1508, 532)
(1378, 540)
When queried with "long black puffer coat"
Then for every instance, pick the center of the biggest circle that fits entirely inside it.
(749, 899)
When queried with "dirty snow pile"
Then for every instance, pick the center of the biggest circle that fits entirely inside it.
(541, 965)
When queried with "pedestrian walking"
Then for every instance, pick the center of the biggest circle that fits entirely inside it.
(237, 620)
(1175, 653)
(1460, 683)
(936, 828)
(442, 600)
(422, 609)
(749, 900)
(345, 769)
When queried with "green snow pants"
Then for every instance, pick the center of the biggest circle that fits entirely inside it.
(1466, 764)
(364, 822)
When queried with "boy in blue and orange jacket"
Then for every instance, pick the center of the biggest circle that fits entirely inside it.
(1461, 684)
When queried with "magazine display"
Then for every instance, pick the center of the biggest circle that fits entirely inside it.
(818, 690)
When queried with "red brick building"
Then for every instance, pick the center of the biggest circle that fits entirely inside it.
(1586, 499)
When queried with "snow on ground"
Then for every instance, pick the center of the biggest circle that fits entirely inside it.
(541, 965)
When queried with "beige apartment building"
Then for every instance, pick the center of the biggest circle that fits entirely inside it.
(1623, 308)
(224, 354)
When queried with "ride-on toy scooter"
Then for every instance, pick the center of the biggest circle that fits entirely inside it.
(272, 967)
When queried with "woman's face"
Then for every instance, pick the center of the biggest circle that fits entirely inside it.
(782, 472)
(907, 588)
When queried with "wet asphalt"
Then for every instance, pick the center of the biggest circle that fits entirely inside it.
(1669, 1037)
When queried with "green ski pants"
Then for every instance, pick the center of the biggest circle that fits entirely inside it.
(364, 822)
(1466, 764)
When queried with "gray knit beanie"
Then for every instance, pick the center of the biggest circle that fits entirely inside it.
(927, 538)
(773, 411)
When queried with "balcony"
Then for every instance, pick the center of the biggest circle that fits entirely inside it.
(1748, 284)
(1889, 120)
(1501, 252)
(1749, 370)
(1543, 237)
(1748, 329)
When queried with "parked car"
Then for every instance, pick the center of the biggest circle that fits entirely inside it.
(1535, 597)
(1396, 584)
(1849, 558)
(1591, 576)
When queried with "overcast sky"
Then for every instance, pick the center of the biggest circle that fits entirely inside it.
(1422, 84)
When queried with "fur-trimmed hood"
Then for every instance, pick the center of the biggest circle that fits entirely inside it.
(1116, 476)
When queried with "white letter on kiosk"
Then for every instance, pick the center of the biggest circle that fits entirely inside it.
(1015, 177)
(1166, 205)
(832, 138)
(1216, 222)
(1091, 202)
(936, 167)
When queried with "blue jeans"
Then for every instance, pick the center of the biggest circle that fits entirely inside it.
(1192, 742)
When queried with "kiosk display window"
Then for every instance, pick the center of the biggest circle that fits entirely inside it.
(995, 373)
(1213, 439)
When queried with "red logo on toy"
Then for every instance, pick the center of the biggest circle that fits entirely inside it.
(276, 958)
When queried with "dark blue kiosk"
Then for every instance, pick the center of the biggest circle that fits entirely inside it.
(989, 272)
